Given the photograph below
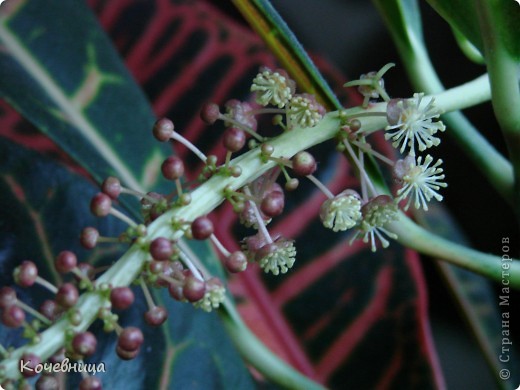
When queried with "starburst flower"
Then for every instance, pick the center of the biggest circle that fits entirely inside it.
(420, 180)
(305, 111)
(277, 256)
(341, 212)
(376, 214)
(273, 87)
(410, 123)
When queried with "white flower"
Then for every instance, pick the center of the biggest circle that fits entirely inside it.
(305, 111)
(276, 257)
(414, 124)
(420, 180)
(376, 214)
(214, 296)
(341, 212)
(273, 87)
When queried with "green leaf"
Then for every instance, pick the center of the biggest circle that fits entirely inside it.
(67, 79)
(45, 204)
(404, 20)
(469, 50)
(283, 43)
(475, 298)
(463, 16)
(69, 82)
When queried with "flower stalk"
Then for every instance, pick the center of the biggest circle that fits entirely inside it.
(207, 197)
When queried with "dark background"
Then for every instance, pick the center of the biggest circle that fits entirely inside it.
(352, 36)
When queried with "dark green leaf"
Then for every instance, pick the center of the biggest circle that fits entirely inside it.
(67, 79)
(46, 205)
(463, 16)
(476, 300)
(264, 18)
(404, 20)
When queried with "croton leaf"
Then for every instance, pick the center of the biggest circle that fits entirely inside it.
(262, 16)
(477, 300)
(321, 254)
(69, 82)
(46, 205)
(184, 53)
(67, 79)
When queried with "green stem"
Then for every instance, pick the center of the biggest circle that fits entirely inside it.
(504, 75)
(468, 94)
(421, 71)
(207, 197)
(260, 357)
(493, 267)
(492, 164)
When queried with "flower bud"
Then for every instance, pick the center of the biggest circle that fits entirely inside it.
(111, 186)
(201, 228)
(163, 129)
(303, 164)
(209, 113)
(25, 274)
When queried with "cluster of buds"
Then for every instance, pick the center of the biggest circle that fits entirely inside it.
(15, 313)
(166, 260)
(166, 265)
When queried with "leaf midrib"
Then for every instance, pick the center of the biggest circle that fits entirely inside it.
(73, 114)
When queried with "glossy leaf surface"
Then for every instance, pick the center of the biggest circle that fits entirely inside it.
(80, 96)
(67, 80)
(341, 306)
(42, 209)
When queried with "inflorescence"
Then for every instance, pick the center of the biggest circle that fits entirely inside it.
(366, 211)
